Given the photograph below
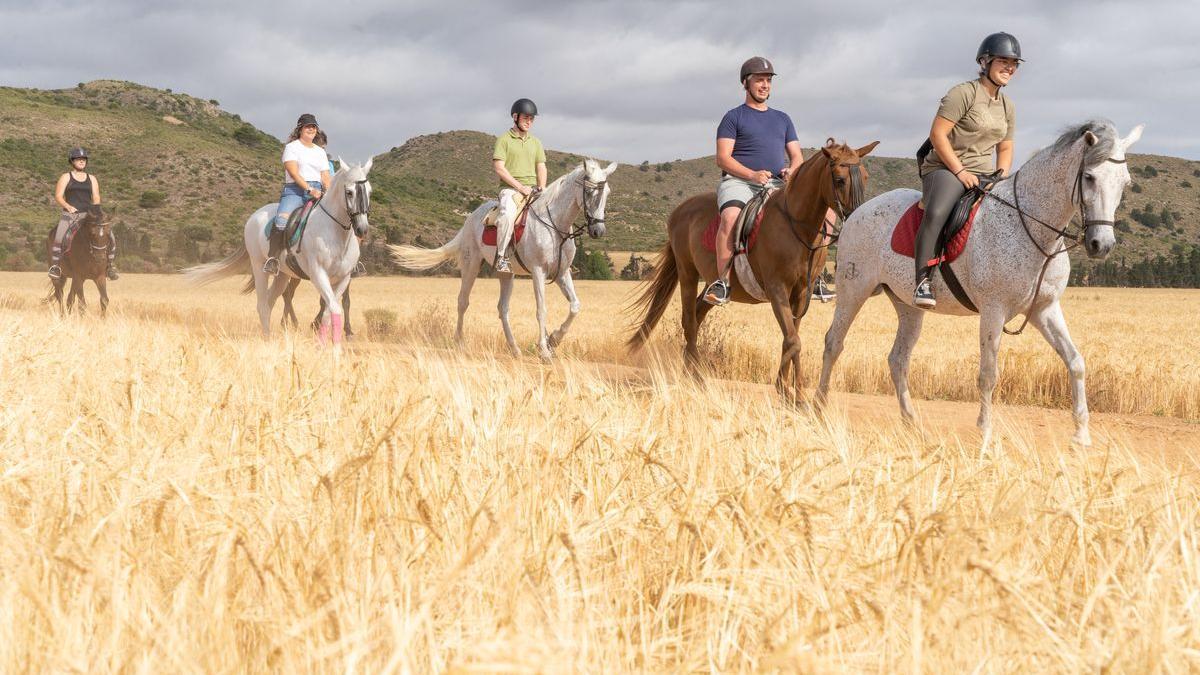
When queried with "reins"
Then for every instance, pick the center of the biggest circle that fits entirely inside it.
(576, 231)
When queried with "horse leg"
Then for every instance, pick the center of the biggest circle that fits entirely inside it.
(75, 293)
(289, 319)
(506, 289)
(320, 280)
(848, 304)
(102, 286)
(907, 332)
(346, 309)
(567, 286)
(991, 328)
(1049, 320)
(470, 271)
(790, 350)
(58, 294)
(337, 312)
(691, 316)
(539, 295)
(262, 289)
(316, 322)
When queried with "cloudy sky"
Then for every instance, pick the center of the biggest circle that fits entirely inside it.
(622, 79)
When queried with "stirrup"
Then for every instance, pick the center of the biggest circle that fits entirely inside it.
(55, 272)
(271, 266)
(923, 294)
(717, 293)
(502, 265)
(111, 273)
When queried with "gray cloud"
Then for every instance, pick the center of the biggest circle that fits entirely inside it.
(623, 79)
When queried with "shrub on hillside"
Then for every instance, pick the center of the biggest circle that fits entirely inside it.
(592, 265)
(1136, 188)
(152, 199)
(247, 135)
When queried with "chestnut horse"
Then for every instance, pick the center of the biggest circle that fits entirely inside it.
(86, 259)
(789, 252)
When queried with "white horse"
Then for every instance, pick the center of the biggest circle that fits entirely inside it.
(1014, 261)
(326, 253)
(544, 252)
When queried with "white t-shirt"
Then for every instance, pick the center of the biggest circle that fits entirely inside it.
(310, 161)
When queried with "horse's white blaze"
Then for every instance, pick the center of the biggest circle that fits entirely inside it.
(999, 266)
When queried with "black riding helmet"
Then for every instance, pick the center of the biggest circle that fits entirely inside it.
(76, 153)
(999, 45)
(523, 106)
(756, 65)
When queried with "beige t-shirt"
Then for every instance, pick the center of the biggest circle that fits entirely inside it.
(980, 124)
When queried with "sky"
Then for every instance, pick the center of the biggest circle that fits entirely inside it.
(622, 79)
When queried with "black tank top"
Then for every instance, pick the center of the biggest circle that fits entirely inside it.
(78, 192)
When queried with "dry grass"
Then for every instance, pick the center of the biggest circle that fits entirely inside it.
(178, 495)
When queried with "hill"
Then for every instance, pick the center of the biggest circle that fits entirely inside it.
(181, 175)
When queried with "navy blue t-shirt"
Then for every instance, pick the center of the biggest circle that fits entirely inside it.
(759, 137)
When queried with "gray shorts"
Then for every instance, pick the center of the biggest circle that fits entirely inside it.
(737, 192)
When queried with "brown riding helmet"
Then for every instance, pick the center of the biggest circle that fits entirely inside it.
(756, 65)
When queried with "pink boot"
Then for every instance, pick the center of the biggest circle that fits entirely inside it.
(323, 334)
(338, 328)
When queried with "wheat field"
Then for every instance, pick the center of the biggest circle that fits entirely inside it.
(179, 495)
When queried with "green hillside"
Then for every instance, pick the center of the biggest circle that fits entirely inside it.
(181, 175)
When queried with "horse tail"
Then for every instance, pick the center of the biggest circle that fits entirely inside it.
(201, 275)
(655, 297)
(417, 259)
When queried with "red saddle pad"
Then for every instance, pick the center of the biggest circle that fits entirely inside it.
(489, 231)
(710, 233)
(904, 237)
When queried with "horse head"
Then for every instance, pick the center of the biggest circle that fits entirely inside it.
(1103, 176)
(97, 226)
(846, 188)
(352, 181)
(593, 195)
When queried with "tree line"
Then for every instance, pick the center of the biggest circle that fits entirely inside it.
(1179, 269)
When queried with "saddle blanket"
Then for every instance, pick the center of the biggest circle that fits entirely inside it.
(489, 225)
(710, 233)
(904, 237)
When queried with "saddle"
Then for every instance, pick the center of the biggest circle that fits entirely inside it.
(297, 222)
(492, 217)
(745, 229)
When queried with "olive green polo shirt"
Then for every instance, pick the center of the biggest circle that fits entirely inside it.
(980, 124)
(520, 156)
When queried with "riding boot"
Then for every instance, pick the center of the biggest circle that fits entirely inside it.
(276, 246)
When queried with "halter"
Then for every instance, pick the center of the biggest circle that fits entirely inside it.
(358, 203)
(1062, 233)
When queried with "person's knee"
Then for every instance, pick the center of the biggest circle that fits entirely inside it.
(728, 217)
(281, 220)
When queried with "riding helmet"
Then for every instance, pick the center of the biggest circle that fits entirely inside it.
(756, 65)
(999, 45)
(306, 119)
(76, 153)
(523, 106)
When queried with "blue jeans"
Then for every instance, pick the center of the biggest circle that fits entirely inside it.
(292, 198)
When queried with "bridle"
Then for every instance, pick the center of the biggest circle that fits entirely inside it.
(591, 190)
(1076, 193)
(358, 203)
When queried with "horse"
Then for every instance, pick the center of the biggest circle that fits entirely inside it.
(326, 253)
(80, 263)
(1013, 262)
(545, 252)
(789, 253)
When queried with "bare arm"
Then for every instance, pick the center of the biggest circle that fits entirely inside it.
(795, 159)
(293, 169)
(1004, 155)
(95, 190)
(541, 175)
(506, 177)
(735, 168)
(939, 135)
(325, 180)
(60, 190)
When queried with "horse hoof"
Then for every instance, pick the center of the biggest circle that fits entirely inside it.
(1082, 439)
(555, 339)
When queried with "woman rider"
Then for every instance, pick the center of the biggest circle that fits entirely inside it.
(975, 119)
(75, 191)
(306, 176)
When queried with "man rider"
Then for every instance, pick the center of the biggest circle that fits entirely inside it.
(520, 161)
(757, 149)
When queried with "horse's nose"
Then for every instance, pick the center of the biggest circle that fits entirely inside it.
(1098, 247)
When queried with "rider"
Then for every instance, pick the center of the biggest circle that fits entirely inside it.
(520, 161)
(306, 176)
(974, 120)
(75, 191)
(757, 149)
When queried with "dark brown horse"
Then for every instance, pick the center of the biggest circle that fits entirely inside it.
(790, 251)
(86, 259)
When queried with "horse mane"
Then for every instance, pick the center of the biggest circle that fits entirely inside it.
(1105, 133)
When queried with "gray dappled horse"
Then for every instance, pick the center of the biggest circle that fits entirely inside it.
(545, 252)
(1014, 262)
(327, 253)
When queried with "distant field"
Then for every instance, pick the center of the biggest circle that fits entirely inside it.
(179, 495)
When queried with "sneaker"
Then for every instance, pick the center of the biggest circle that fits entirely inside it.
(923, 295)
(502, 265)
(55, 272)
(360, 270)
(271, 266)
(717, 293)
(111, 273)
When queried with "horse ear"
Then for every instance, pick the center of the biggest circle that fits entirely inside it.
(608, 170)
(866, 149)
(1133, 136)
(367, 166)
(825, 151)
(1090, 138)
(342, 164)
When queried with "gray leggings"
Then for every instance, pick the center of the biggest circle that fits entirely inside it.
(940, 190)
